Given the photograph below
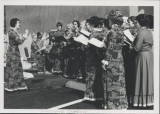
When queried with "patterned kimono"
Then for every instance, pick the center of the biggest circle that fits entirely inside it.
(56, 51)
(114, 75)
(14, 73)
(93, 67)
(38, 57)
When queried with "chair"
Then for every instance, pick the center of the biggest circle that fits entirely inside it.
(30, 60)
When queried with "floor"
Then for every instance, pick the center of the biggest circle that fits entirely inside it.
(49, 92)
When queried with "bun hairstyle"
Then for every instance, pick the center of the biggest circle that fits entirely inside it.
(13, 22)
(116, 17)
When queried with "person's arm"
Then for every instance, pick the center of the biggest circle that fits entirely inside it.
(34, 46)
(16, 37)
(110, 36)
(139, 41)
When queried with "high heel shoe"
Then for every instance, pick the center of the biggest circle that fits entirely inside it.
(104, 106)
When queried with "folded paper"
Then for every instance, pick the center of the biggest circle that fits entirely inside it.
(85, 32)
(128, 34)
(82, 39)
(96, 42)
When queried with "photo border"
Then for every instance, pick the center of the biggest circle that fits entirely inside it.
(154, 3)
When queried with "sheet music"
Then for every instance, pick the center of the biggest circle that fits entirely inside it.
(85, 32)
(82, 39)
(128, 34)
(96, 42)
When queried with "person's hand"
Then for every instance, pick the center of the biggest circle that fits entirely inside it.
(25, 35)
(130, 47)
(27, 31)
(104, 64)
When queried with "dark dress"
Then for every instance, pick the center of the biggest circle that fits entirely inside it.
(14, 78)
(143, 88)
(114, 75)
(94, 56)
(78, 57)
(56, 51)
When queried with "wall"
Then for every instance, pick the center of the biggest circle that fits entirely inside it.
(44, 18)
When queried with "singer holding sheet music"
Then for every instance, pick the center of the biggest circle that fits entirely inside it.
(114, 74)
(14, 79)
(94, 56)
(144, 91)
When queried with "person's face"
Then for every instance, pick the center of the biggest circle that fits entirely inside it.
(35, 38)
(131, 24)
(59, 27)
(39, 37)
(17, 25)
(67, 33)
(75, 25)
(88, 27)
(136, 24)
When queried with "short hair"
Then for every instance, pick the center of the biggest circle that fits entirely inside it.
(141, 18)
(95, 21)
(78, 23)
(39, 34)
(132, 18)
(150, 22)
(59, 24)
(101, 21)
(13, 22)
(106, 23)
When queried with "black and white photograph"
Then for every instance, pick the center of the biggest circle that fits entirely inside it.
(80, 56)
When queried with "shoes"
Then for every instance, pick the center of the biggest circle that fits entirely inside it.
(22, 88)
(15, 89)
(79, 78)
(40, 72)
(10, 90)
(66, 76)
(104, 106)
(47, 72)
(56, 72)
(89, 99)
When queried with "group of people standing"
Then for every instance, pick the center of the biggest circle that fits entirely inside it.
(105, 70)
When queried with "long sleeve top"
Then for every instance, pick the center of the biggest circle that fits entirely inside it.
(144, 40)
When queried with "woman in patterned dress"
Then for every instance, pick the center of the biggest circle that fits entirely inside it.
(93, 63)
(143, 95)
(113, 65)
(38, 56)
(56, 50)
(14, 79)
